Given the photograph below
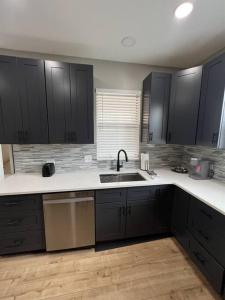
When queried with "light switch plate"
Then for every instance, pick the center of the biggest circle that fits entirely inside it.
(88, 158)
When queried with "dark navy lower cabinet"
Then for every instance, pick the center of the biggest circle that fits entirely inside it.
(180, 214)
(141, 203)
(200, 230)
(132, 212)
(163, 209)
(207, 264)
(21, 224)
(208, 227)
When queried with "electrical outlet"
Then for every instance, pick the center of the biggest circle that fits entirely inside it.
(88, 158)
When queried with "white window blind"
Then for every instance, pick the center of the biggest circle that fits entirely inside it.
(118, 122)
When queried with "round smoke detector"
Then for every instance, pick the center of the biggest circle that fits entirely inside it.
(128, 41)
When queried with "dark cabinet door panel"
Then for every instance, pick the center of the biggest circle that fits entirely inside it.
(140, 217)
(81, 127)
(110, 221)
(159, 107)
(155, 106)
(11, 126)
(33, 99)
(184, 106)
(180, 214)
(164, 209)
(211, 127)
(58, 101)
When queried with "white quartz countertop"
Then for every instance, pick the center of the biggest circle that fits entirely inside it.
(212, 192)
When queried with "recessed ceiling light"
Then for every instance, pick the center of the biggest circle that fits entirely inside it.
(128, 41)
(183, 10)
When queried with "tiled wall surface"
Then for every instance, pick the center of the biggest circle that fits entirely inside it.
(68, 158)
(30, 158)
(217, 156)
(163, 155)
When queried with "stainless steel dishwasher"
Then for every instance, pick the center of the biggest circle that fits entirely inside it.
(69, 220)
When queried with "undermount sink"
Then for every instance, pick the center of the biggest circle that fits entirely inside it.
(107, 178)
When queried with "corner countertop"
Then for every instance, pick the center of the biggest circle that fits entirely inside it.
(211, 192)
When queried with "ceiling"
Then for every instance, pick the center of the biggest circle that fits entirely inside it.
(94, 29)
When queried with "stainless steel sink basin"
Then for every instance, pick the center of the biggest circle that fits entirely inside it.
(107, 178)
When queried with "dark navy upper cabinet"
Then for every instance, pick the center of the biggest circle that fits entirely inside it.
(211, 125)
(58, 100)
(70, 102)
(33, 101)
(82, 130)
(11, 126)
(22, 101)
(184, 106)
(155, 105)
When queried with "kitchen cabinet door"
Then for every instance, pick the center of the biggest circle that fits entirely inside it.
(155, 106)
(140, 217)
(163, 212)
(110, 221)
(82, 124)
(31, 79)
(70, 102)
(58, 101)
(11, 126)
(184, 106)
(141, 211)
(180, 213)
(211, 125)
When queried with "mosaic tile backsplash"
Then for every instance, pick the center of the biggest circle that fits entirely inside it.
(163, 155)
(30, 158)
(215, 155)
(68, 158)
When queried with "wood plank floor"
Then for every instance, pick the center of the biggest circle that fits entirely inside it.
(156, 270)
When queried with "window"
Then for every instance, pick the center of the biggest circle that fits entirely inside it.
(118, 122)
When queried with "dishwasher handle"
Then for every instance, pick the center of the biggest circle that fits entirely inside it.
(68, 200)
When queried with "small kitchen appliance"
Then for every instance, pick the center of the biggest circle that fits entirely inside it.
(200, 169)
(48, 169)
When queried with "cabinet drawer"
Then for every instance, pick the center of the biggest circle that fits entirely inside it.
(19, 222)
(141, 193)
(208, 227)
(22, 242)
(207, 264)
(22, 202)
(111, 195)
